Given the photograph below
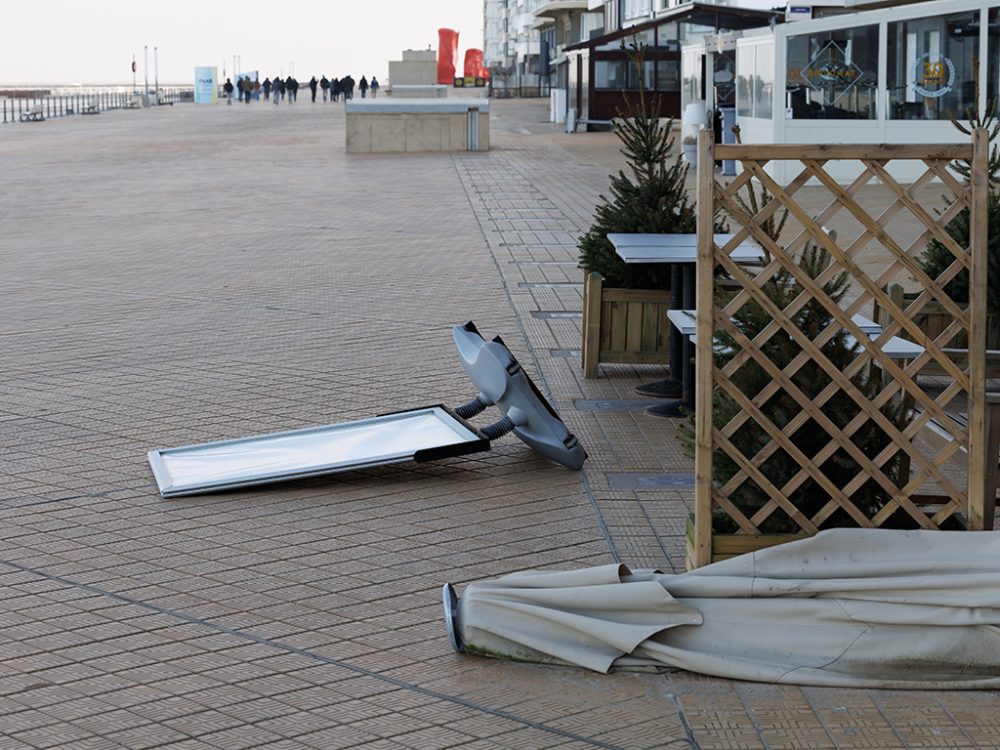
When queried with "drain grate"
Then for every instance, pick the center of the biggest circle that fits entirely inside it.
(615, 404)
(550, 285)
(545, 262)
(547, 314)
(649, 481)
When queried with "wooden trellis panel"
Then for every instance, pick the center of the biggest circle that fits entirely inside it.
(960, 498)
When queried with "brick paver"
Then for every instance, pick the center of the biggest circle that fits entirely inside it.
(183, 275)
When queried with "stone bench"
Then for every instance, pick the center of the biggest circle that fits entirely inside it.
(410, 125)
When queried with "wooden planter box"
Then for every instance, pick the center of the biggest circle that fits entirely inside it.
(725, 546)
(623, 326)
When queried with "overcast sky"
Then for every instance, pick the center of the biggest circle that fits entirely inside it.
(81, 41)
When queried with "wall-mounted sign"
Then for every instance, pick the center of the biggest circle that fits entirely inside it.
(933, 75)
(798, 13)
(831, 73)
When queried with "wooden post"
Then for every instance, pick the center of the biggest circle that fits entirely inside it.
(593, 284)
(705, 305)
(979, 182)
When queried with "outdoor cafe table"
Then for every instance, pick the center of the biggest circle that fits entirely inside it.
(680, 252)
(685, 322)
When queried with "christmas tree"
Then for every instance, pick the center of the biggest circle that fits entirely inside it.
(936, 258)
(781, 408)
(647, 197)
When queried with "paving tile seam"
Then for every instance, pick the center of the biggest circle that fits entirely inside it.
(954, 720)
(526, 178)
(14, 504)
(287, 648)
(682, 716)
(465, 177)
(525, 183)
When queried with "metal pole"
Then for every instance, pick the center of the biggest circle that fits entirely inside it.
(156, 74)
(145, 73)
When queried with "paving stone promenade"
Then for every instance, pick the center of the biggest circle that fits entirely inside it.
(184, 275)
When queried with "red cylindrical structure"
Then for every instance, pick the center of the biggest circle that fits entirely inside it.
(474, 63)
(447, 55)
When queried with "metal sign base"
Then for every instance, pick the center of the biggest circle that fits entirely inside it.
(423, 434)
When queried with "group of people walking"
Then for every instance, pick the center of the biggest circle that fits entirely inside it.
(335, 88)
(281, 89)
(245, 89)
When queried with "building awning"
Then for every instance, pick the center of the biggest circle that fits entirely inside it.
(751, 17)
(541, 23)
(556, 8)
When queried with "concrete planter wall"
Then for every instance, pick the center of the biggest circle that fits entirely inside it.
(411, 125)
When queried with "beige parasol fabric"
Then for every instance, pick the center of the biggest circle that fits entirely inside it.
(848, 607)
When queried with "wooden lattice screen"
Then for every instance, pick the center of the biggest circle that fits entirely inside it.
(915, 481)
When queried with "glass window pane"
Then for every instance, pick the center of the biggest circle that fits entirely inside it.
(833, 74)
(633, 75)
(637, 9)
(763, 84)
(645, 38)
(691, 85)
(666, 36)
(669, 75)
(745, 69)
(696, 26)
(609, 74)
(615, 45)
(725, 78)
(932, 67)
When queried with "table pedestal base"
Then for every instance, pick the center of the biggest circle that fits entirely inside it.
(674, 409)
(668, 388)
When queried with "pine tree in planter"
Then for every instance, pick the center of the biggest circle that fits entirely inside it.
(648, 196)
(936, 258)
(781, 408)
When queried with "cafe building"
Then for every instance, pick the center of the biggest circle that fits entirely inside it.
(895, 75)
(599, 72)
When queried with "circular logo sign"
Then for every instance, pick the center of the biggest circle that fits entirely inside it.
(933, 75)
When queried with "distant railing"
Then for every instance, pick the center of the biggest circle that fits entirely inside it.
(16, 108)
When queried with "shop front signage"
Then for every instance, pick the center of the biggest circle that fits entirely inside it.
(933, 75)
(832, 73)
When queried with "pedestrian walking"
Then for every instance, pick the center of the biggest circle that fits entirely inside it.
(335, 89)
(228, 88)
(313, 83)
(267, 89)
(289, 91)
(363, 86)
(239, 89)
(325, 85)
(374, 86)
(347, 87)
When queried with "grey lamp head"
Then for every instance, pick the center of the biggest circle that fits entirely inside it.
(502, 381)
